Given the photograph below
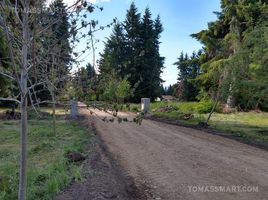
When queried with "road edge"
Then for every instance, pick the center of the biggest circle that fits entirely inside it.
(210, 130)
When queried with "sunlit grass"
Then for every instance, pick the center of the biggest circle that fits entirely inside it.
(184, 107)
(251, 126)
(59, 110)
(246, 118)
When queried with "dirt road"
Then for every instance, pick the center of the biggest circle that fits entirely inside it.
(168, 161)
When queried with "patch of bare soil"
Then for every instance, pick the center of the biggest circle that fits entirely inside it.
(103, 178)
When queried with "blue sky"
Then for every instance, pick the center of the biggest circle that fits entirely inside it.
(180, 18)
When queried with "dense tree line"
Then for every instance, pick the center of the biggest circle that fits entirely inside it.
(189, 69)
(233, 65)
(50, 52)
(5, 83)
(55, 51)
(169, 90)
(132, 53)
(84, 84)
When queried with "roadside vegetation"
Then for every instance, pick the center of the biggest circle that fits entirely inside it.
(49, 169)
(252, 126)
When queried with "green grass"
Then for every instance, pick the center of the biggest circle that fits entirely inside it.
(60, 111)
(178, 116)
(48, 169)
(131, 107)
(185, 107)
(250, 126)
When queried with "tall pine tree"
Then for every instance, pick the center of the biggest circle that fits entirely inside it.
(114, 56)
(228, 58)
(132, 53)
(189, 69)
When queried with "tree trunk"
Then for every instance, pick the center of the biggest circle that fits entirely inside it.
(23, 106)
(54, 113)
(214, 107)
(23, 155)
(212, 111)
(230, 103)
(52, 93)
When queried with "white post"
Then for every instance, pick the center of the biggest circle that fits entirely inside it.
(145, 105)
(74, 109)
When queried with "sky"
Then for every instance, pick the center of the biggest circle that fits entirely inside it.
(180, 18)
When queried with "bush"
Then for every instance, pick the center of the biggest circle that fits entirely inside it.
(187, 107)
(204, 106)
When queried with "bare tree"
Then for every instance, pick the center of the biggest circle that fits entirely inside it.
(17, 22)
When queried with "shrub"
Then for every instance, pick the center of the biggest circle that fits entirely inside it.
(204, 106)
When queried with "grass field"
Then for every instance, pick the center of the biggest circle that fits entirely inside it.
(247, 125)
(48, 169)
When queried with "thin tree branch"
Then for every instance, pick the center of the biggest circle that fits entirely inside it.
(9, 99)
(32, 103)
(6, 75)
(17, 15)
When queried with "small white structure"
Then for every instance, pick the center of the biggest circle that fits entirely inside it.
(145, 104)
(158, 99)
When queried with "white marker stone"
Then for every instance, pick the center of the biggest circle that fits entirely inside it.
(145, 104)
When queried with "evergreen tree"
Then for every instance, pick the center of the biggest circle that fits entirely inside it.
(54, 49)
(151, 61)
(189, 69)
(60, 38)
(163, 90)
(132, 53)
(85, 83)
(251, 85)
(114, 55)
(91, 73)
(227, 59)
(5, 82)
(132, 27)
(169, 90)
